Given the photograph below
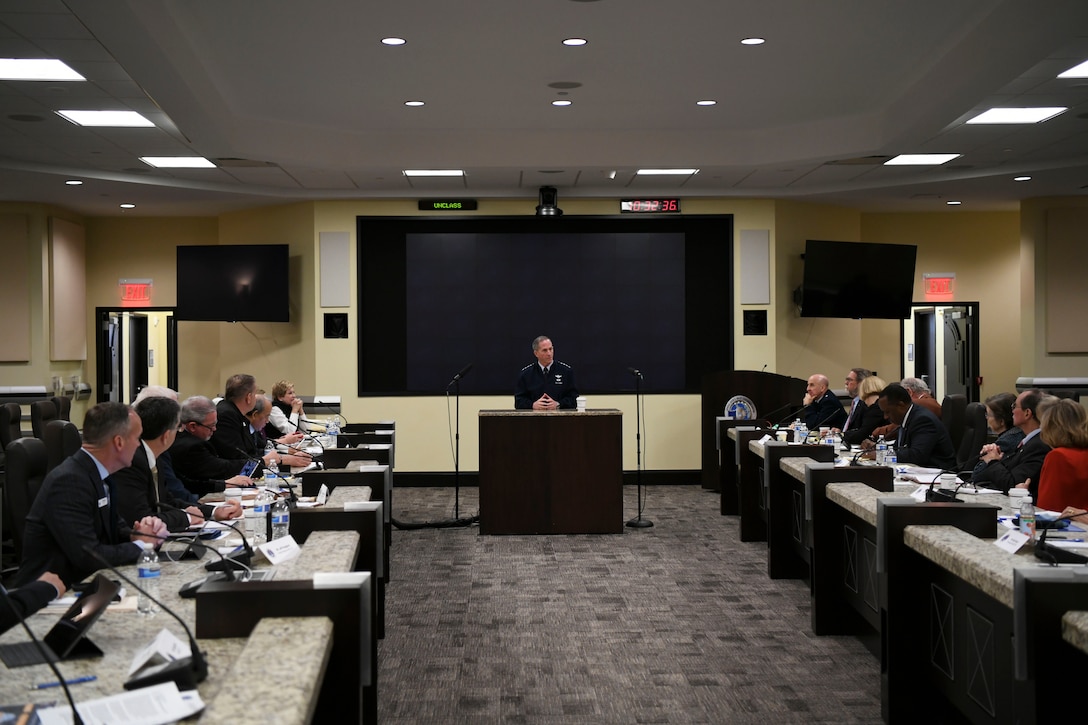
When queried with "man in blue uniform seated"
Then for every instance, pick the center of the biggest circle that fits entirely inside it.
(823, 409)
(547, 384)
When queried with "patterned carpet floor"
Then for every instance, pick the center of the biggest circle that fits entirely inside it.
(677, 623)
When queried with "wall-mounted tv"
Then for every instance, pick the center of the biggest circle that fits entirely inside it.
(233, 283)
(858, 280)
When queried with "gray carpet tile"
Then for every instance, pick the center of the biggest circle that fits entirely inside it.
(677, 623)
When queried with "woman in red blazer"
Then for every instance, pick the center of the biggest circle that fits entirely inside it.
(1064, 478)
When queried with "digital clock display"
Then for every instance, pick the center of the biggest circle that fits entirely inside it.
(649, 206)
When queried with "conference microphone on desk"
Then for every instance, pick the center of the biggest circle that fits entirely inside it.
(1055, 555)
(944, 495)
(187, 671)
(787, 417)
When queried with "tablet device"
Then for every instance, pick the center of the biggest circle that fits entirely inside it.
(249, 468)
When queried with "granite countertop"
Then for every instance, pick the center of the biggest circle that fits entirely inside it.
(1075, 629)
(977, 561)
(348, 494)
(514, 413)
(286, 688)
(323, 551)
(795, 466)
(860, 499)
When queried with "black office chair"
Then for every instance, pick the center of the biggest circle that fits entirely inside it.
(953, 412)
(64, 406)
(11, 423)
(27, 460)
(975, 434)
(61, 439)
(41, 412)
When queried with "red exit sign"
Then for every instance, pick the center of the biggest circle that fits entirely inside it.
(939, 286)
(135, 292)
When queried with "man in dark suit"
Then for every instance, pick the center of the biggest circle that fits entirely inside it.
(923, 440)
(140, 487)
(74, 511)
(547, 384)
(1026, 462)
(824, 408)
(195, 460)
(233, 436)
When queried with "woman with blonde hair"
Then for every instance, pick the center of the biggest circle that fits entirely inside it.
(1064, 479)
(872, 416)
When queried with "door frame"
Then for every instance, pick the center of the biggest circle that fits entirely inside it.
(102, 349)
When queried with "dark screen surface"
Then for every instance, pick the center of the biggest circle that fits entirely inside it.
(858, 280)
(233, 283)
(611, 293)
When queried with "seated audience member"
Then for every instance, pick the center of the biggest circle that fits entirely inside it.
(1063, 481)
(286, 411)
(195, 460)
(27, 599)
(233, 436)
(823, 407)
(870, 416)
(139, 489)
(853, 382)
(1001, 471)
(258, 418)
(74, 513)
(999, 422)
(919, 394)
(163, 462)
(922, 439)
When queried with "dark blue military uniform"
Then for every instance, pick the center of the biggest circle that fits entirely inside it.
(559, 386)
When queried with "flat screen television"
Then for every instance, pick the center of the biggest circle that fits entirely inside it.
(858, 280)
(233, 283)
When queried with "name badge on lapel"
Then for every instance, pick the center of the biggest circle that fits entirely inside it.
(103, 502)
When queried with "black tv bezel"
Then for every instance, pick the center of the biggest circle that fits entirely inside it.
(894, 273)
(273, 305)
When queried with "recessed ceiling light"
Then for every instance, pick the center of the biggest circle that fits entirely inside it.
(1021, 178)
(178, 162)
(1077, 71)
(706, 103)
(393, 41)
(562, 103)
(74, 182)
(434, 172)
(36, 69)
(921, 159)
(1017, 115)
(115, 119)
(128, 206)
(753, 41)
(575, 41)
(414, 104)
(953, 203)
(667, 172)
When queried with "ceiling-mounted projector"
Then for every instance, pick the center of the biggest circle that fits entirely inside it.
(548, 199)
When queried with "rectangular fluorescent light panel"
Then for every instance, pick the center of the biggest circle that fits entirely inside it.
(1077, 71)
(178, 162)
(667, 172)
(36, 69)
(434, 172)
(112, 119)
(921, 159)
(1017, 115)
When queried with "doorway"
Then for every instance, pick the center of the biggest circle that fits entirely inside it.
(134, 348)
(940, 346)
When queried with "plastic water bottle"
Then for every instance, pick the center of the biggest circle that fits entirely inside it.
(891, 458)
(149, 574)
(332, 429)
(281, 519)
(261, 507)
(1027, 517)
(881, 452)
(272, 473)
(802, 433)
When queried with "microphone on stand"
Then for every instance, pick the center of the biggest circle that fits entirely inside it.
(292, 497)
(1055, 555)
(187, 671)
(51, 661)
(458, 376)
(788, 415)
(942, 495)
(637, 373)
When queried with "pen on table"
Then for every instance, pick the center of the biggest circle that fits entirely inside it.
(76, 681)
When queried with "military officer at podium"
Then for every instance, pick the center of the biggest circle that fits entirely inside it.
(546, 384)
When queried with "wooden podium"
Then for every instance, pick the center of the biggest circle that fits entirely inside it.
(551, 472)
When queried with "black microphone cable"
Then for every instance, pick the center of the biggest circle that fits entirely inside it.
(49, 660)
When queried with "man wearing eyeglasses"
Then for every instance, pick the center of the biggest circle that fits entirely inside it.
(1026, 462)
(195, 460)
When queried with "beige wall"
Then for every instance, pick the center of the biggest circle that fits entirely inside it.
(986, 250)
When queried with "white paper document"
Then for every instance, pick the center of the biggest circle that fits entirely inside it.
(155, 705)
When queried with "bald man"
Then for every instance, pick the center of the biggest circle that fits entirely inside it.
(822, 408)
